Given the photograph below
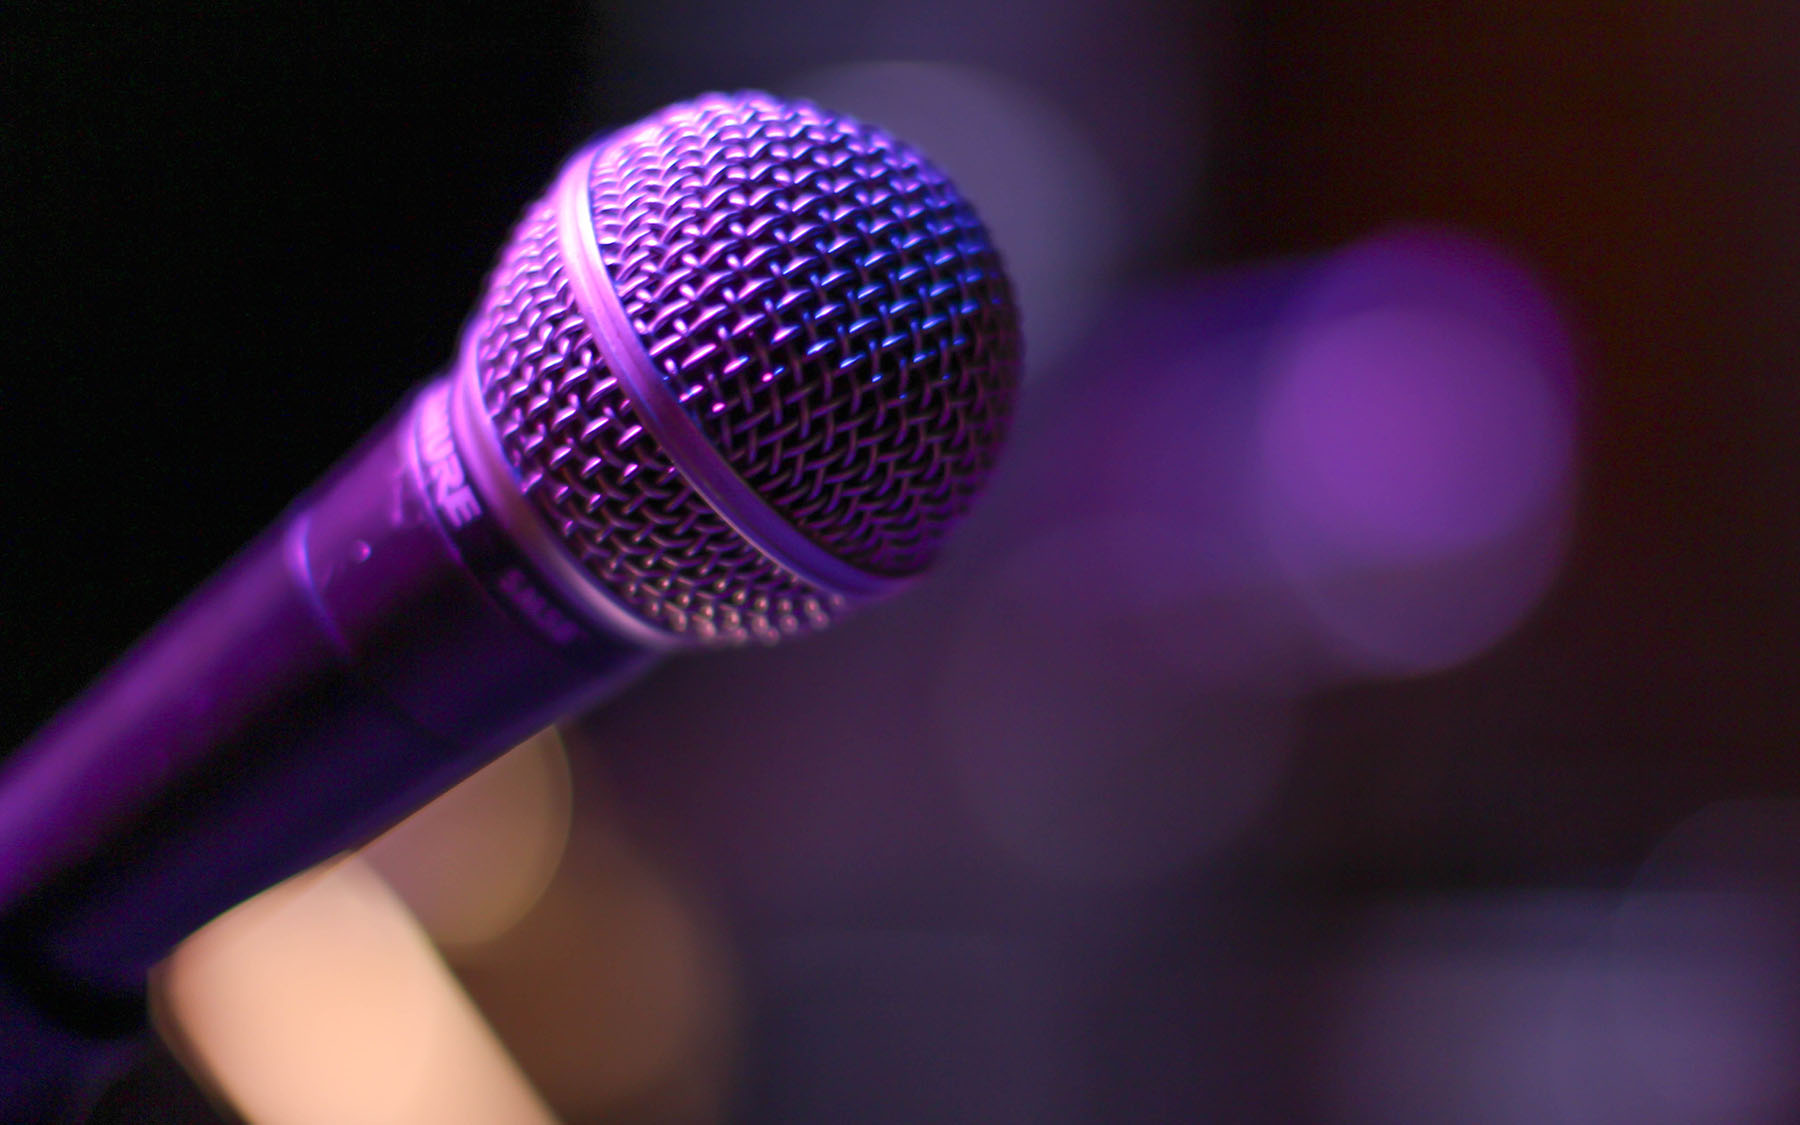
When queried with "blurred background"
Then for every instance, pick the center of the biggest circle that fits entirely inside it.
(1365, 696)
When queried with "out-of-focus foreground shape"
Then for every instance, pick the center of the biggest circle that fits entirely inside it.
(322, 1000)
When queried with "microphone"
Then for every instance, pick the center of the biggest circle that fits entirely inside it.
(739, 371)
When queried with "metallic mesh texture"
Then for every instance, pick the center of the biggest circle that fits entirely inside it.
(827, 307)
(831, 315)
(601, 480)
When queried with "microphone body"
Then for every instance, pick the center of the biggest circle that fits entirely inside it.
(385, 638)
(743, 367)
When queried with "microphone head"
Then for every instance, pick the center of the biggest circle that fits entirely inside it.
(750, 361)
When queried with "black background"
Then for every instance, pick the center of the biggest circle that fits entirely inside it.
(234, 237)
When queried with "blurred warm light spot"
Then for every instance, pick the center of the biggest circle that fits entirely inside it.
(1417, 440)
(472, 863)
(1025, 164)
(321, 1001)
(615, 993)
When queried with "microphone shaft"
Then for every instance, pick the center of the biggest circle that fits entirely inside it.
(381, 641)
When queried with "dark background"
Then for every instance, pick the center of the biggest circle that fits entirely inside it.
(233, 240)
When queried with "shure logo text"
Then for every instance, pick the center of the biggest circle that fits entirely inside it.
(449, 489)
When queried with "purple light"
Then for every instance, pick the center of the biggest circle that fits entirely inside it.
(1416, 449)
(1406, 434)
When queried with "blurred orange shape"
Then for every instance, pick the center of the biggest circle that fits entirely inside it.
(473, 862)
(322, 1002)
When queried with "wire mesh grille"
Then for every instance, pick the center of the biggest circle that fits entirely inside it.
(826, 308)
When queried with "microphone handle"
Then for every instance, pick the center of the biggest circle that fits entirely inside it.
(381, 641)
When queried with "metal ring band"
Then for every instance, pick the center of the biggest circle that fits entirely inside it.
(663, 414)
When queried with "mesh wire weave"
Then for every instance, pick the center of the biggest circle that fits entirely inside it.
(827, 309)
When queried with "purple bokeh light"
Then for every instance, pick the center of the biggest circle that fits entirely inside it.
(1416, 449)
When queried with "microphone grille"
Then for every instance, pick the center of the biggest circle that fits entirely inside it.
(828, 307)
(828, 312)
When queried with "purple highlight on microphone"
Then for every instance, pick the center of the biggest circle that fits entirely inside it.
(751, 361)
